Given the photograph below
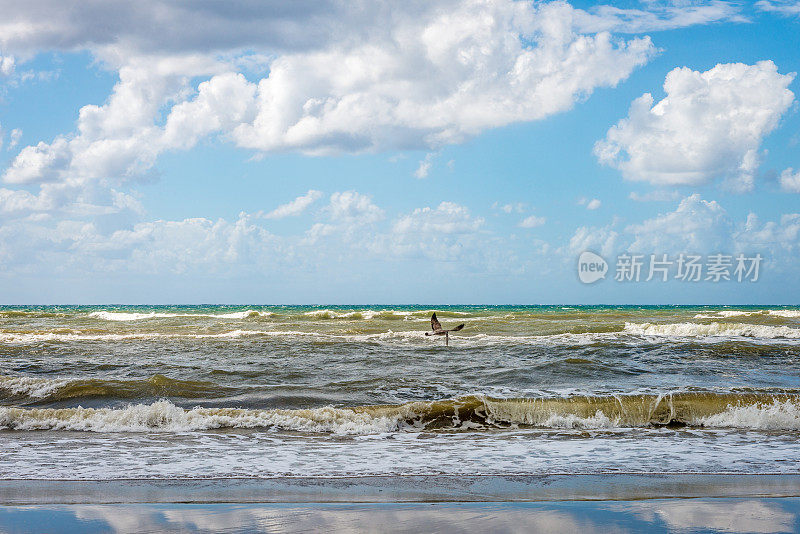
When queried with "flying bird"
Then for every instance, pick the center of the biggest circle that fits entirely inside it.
(439, 331)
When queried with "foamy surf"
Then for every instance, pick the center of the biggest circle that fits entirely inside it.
(776, 412)
(135, 316)
(790, 314)
(713, 330)
(27, 386)
(385, 314)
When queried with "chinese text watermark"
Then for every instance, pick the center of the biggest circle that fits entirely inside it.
(663, 267)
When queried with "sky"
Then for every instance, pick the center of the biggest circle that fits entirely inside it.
(447, 152)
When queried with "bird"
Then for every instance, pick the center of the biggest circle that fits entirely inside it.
(439, 331)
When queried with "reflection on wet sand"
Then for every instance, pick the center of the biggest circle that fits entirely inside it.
(671, 515)
(752, 515)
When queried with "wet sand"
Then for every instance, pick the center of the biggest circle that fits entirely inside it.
(400, 489)
(773, 515)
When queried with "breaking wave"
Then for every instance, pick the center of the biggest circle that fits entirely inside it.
(744, 411)
(791, 314)
(417, 338)
(415, 315)
(132, 316)
(36, 337)
(712, 329)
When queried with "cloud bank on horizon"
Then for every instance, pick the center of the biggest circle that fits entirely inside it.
(366, 80)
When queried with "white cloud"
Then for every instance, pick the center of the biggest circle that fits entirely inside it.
(592, 204)
(353, 207)
(445, 233)
(13, 138)
(733, 517)
(532, 222)
(656, 16)
(424, 166)
(6, 65)
(696, 225)
(349, 213)
(779, 241)
(295, 207)
(789, 8)
(517, 207)
(709, 125)
(790, 180)
(150, 26)
(420, 77)
(446, 218)
(120, 139)
(604, 240)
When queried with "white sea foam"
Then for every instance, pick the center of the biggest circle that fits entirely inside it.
(778, 415)
(785, 313)
(133, 316)
(598, 420)
(40, 337)
(748, 313)
(417, 338)
(33, 387)
(163, 416)
(712, 330)
(727, 313)
(407, 315)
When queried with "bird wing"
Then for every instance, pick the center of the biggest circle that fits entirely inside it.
(435, 324)
(456, 329)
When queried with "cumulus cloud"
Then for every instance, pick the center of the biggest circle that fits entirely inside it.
(696, 226)
(311, 77)
(120, 139)
(446, 218)
(605, 240)
(444, 233)
(419, 77)
(709, 125)
(295, 207)
(532, 222)
(353, 207)
(790, 180)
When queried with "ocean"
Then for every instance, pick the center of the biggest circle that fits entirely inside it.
(162, 392)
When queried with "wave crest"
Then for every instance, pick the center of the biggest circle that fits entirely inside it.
(747, 411)
(712, 329)
(134, 316)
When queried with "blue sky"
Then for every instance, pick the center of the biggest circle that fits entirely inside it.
(440, 152)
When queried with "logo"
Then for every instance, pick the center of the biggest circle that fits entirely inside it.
(591, 267)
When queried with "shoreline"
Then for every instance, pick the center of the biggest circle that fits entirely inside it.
(401, 489)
